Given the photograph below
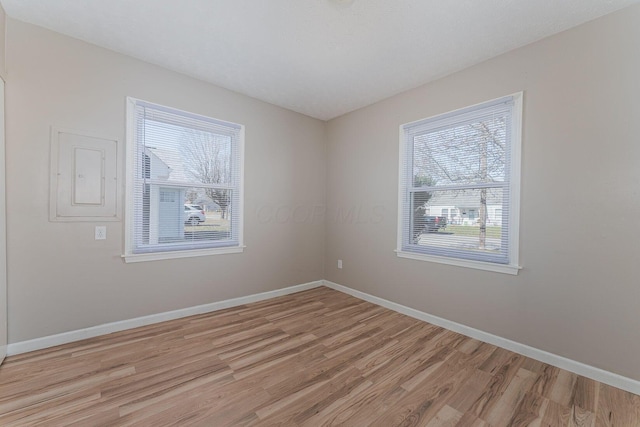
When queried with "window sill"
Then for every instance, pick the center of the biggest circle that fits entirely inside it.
(478, 265)
(157, 256)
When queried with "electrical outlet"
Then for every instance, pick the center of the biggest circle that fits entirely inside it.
(101, 232)
(339, 263)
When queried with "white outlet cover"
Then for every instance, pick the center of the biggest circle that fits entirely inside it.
(101, 232)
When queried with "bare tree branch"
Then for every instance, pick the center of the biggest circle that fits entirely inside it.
(208, 160)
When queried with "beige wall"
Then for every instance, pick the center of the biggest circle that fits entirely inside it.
(578, 294)
(60, 278)
(3, 26)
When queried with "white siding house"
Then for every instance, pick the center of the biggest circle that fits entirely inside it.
(164, 203)
(463, 208)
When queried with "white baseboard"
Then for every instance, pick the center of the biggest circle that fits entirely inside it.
(107, 328)
(579, 368)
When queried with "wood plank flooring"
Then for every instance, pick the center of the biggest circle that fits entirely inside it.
(314, 358)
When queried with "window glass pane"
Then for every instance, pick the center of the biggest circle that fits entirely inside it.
(473, 152)
(475, 224)
(168, 218)
(181, 154)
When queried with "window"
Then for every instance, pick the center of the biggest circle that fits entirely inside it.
(184, 184)
(465, 161)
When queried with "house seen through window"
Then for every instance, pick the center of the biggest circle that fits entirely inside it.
(459, 186)
(184, 181)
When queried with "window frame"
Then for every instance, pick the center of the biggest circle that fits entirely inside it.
(130, 152)
(449, 119)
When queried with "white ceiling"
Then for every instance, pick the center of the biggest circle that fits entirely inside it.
(322, 58)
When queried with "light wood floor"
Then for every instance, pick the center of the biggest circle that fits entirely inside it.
(314, 358)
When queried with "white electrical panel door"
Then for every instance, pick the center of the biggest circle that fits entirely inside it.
(84, 177)
(88, 177)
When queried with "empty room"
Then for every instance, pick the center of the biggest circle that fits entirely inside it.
(320, 212)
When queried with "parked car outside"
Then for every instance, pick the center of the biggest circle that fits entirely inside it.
(194, 214)
(434, 223)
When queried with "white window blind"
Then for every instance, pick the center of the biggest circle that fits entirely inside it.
(185, 181)
(459, 184)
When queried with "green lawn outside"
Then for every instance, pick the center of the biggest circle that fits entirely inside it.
(213, 223)
(474, 231)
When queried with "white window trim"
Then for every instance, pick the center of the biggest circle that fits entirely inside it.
(156, 256)
(127, 255)
(514, 200)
